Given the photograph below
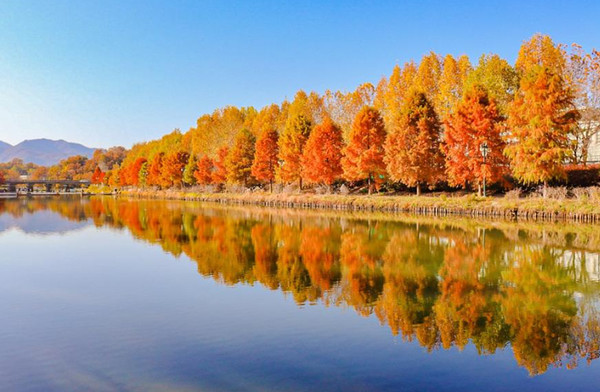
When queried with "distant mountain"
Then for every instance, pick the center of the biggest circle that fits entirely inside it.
(4, 146)
(43, 151)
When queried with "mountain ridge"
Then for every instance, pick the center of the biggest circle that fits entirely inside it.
(45, 152)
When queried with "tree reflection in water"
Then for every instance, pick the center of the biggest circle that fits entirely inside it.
(442, 282)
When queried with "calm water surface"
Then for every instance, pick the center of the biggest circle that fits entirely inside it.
(116, 295)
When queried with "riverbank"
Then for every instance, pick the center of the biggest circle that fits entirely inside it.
(531, 208)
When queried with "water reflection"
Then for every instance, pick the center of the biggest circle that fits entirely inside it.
(444, 283)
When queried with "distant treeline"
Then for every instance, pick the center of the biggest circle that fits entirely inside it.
(443, 120)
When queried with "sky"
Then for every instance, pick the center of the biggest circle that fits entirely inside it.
(105, 73)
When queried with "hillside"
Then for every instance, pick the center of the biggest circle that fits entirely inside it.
(4, 146)
(43, 151)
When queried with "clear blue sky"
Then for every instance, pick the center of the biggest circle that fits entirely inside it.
(109, 73)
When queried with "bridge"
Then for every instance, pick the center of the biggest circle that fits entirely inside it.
(49, 185)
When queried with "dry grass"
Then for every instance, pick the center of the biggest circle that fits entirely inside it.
(561, 204)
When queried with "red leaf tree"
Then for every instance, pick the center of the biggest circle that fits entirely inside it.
(363, 156)
(540, 120)
(97, 176)
(321, 160)
(172, 170)
(412, 149)
(134, 171)
(219, 175)
(155, 169)
(475, 121)
(266, 157)
(204, 174)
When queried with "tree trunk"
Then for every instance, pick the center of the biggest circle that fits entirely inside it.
(545, 189)
(271, 186)
(478, 189)
(584, 153)
(369, 183)
(418, 189)
(300, 183)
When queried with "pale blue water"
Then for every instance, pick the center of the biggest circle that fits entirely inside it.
(99, 307)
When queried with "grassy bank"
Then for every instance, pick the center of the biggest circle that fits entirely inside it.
(531, 208)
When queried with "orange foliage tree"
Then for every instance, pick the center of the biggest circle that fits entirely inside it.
(475, 121)
(219, 174)
(172, 171)
(204, 174)
(291, 145)
(265, 157)
(363, 156)
(540, 121)
(134, 171)
(98, 176)
(541, 117)
(412, 150)
(240, 157)
(321, 160)
(155, 169)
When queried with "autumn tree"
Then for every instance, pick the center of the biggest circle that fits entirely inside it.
(451, 83)
(476, 121)
(379, 96)
(400, 83)
(540, 50)
(269, 117)
(106, 159)
(72, 168)
(204, 170)
(266, 157)
(291, 144)
(321, 159)
(412, 150)
(584, 71)
(113, 177)
(40, 173)
(134, 171)
(219, 175)
(143, 175)
(98, 176)
(2, 180)
(240, 157)
(155, 170)
(541, 117)
(342, 107)
(189, 171)
(123, 176)
(498, 78)
(363, 156)
(172, 170)
(428, 75)
(310, 106)
(215, 130)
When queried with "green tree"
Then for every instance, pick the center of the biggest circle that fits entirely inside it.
(189, 170)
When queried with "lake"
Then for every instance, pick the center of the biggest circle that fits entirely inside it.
(110, 294)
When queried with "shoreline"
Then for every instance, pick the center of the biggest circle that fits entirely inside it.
(531, 209)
